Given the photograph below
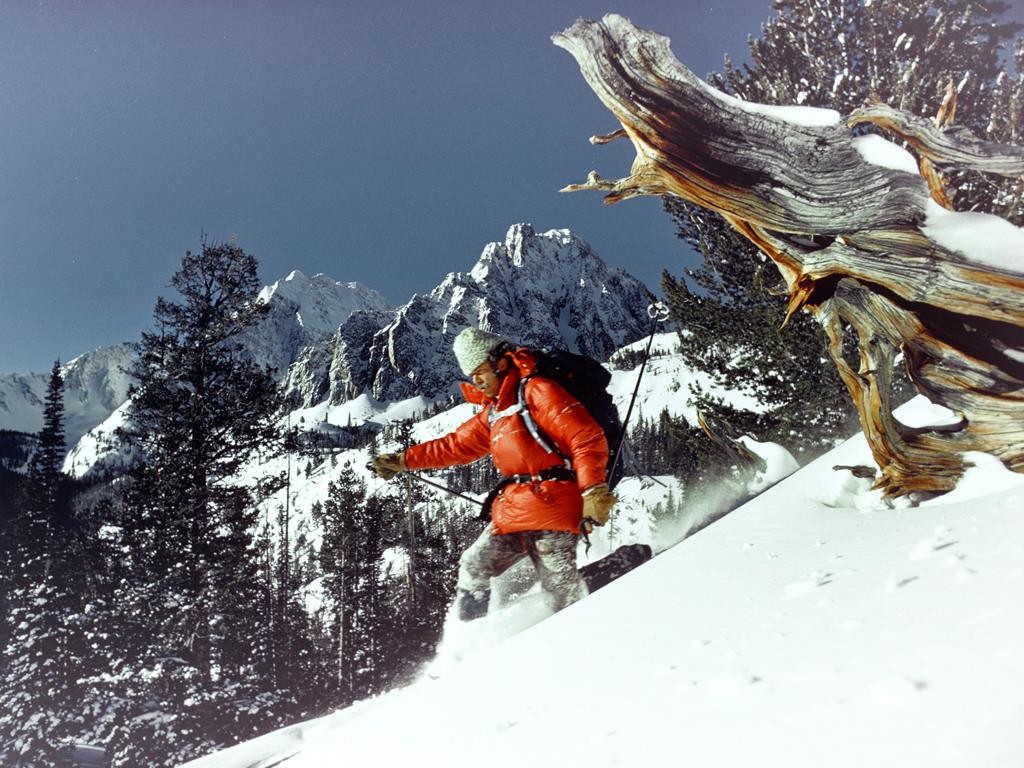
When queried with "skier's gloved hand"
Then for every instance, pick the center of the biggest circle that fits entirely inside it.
(597, 503)
(387, 465)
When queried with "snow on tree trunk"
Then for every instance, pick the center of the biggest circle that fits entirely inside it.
(852, 226)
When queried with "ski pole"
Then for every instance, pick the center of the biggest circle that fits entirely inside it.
(658, 313)
(431, 483)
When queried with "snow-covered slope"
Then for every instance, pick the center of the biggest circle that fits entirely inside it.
(666, 382)
(812, 626)
(100, 450)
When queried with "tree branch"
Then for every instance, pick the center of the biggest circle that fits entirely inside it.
(856, 241)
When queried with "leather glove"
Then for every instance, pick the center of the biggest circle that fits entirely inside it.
(387, 465)
(597, 503)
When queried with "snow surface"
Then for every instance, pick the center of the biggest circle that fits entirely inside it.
(813, 626)
(359, 410)
(878, 151)
(979, 237)
(666, 384)
(98, 449)
(808, 117)
(319, 303)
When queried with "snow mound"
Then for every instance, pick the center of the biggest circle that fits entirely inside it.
(980, 238)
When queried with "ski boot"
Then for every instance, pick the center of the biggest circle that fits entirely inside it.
(473, 605)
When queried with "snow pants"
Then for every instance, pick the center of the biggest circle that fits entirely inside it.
(553, 554)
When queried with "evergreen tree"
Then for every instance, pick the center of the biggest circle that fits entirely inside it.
(732, 329)
(835, 54)
(353, 543)
(841, 53)
(45, 470)
(1006, 125)
(40, 700)
(10, 515)
(414, 619)
(380, 630)
(15, 452)
(103, 620)
(200, 410)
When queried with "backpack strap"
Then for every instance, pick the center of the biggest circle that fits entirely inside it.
(531, 425)
(494, 415)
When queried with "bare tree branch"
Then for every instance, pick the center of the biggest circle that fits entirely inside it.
(853, 238)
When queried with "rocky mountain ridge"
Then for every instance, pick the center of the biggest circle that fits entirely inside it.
(302, 311)
(95, 384)
(332, 341)
(546, 289)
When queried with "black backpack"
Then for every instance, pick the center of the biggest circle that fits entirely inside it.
(587, 380)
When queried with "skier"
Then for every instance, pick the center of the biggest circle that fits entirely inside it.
(546, 500)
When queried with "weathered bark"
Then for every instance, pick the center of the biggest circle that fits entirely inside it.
(850, 237)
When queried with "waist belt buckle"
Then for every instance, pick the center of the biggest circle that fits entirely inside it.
(536, 485)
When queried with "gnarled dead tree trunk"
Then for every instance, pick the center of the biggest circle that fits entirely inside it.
(855, 233)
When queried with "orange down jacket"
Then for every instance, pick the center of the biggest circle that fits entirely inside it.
(549, 505)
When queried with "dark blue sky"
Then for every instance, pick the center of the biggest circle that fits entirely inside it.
(385, 142)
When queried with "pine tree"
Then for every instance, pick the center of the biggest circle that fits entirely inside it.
(353, 542)
(840, 53)
(103, 623)
(1006, 124)
(835, 54)
(413, 621)
(732, 329)
(45, 470)
(200, 410)
(40, 699)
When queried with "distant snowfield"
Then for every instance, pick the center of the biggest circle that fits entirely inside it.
(813, 626)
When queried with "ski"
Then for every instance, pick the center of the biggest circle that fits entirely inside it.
(624, 559)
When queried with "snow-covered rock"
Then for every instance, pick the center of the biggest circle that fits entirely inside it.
(335, 341)
(335, 368)
(100, 450)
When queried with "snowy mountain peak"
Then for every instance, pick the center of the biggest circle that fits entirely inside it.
(524, 249)
(330, 341)
(302, 312)
(289, 286)
(542, 290)
(95, 383)
(321, 302)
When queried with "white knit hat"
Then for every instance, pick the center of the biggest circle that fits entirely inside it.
(472, 346)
